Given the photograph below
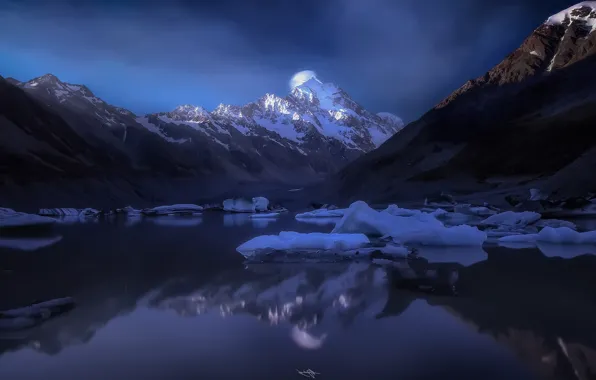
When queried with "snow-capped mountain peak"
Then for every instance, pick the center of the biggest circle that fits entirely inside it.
(62, 91)
(273, 103)
(313, 111)
(564, 39)
(188, 112)
(324, 95)
(584, 12)
(227, 110)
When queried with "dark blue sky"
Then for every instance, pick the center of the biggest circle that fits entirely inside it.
(401, 56)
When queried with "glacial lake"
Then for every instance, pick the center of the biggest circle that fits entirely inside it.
(170, 298)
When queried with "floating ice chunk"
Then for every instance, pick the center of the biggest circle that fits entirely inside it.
(398, 211)
(419, 229)
(454, 218)
(474, 210)
(69, 212)
(89, 213)
(28, 243)
(512, 219)
(561, 235)
(287, 240)
(565, 235)
(11, 219)
(244, 205)
(318, 221)
(555, 223)
(265, 215)
(322, 213)
(260, 203)
(76, 219)
(59, 212)
(173, 210)
(129, 210)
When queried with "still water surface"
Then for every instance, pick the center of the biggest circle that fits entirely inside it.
(171, 299)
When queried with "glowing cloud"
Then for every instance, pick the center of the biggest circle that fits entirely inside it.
(301, 77)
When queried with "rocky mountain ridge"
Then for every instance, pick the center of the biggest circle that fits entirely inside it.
(526, 122)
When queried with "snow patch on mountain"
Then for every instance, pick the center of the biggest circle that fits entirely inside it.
(584, 12)
(144, 121)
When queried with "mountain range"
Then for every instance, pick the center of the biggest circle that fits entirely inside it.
(310, 133)
(528, 121)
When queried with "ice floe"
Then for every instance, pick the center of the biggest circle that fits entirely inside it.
(59, 212)
(398, 211)
(555, 223)
(318, 221)
(421, 228)
(89, 213)
(257, 204)
(10, 218)
(177, 209)
(468, 209)
(260, 204)
(291, 241)
(512, 219)
(322, 213)
(561, 235)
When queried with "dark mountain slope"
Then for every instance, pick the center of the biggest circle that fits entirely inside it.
(531, 115)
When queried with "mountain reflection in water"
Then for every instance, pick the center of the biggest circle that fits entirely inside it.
(536, 307)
